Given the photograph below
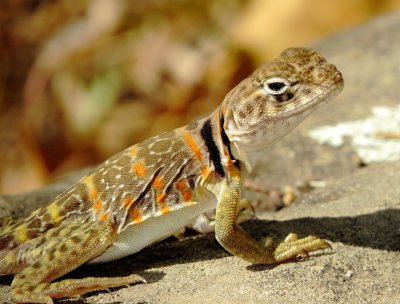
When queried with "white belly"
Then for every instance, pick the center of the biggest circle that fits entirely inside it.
(138, 236)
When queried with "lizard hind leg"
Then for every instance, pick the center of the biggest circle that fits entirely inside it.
(66, 248)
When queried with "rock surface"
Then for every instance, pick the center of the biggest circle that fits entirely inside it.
(358, 210)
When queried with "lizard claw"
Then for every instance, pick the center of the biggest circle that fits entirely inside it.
(292, 246)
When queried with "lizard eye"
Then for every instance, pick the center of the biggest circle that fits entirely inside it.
(276, 85)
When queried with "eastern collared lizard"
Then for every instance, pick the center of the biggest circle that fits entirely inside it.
(152, 189)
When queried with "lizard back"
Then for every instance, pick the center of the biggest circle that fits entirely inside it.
(152, 178)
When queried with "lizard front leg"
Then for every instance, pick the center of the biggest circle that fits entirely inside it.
(235, 240)
(205, 223)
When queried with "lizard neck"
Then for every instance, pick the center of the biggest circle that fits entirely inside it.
(247, 145)
(233, 150)
(226, 149)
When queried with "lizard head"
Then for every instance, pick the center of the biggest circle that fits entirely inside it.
(276, 98)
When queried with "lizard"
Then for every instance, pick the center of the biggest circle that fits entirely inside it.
(152, 189)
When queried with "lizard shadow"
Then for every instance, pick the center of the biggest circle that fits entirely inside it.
(378, 230)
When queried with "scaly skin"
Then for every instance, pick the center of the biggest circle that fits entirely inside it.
(154, 188)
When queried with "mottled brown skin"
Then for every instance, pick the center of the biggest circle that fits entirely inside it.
(152, 189)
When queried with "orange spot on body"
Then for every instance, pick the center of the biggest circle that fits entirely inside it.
(133, 152)
(192, 145)
(139, 168)
(165, 209)
(158, 183)
(136, 216)
(93, 193)
(205, 172)
(182, 187)
(104, 216)
(187, 195)
(161, 198)
(128, 201)
(98, 205)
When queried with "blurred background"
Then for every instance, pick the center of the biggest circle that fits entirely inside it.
(81, 80)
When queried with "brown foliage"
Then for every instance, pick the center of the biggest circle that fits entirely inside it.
(81, 80)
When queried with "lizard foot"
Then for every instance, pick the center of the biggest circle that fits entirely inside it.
(292, 246)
